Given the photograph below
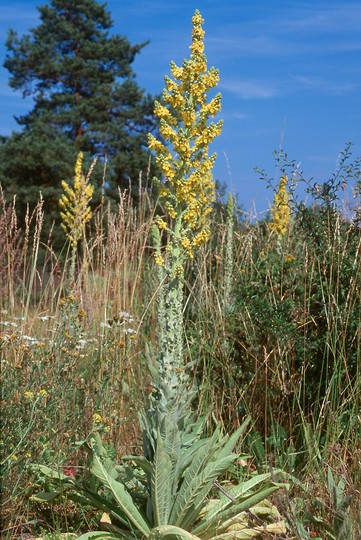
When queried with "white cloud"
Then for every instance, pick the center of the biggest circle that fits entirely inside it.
(249, 89)
(300, 28)
(321, 85)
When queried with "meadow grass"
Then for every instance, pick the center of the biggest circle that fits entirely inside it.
(73, 361)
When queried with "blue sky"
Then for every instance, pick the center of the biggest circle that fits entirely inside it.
(290, 76)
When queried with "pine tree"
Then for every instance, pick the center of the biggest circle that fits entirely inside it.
(85, 99)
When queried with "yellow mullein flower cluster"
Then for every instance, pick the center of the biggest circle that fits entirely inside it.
(188, 189)
(281, 211)
(158, 259)
(75, 204)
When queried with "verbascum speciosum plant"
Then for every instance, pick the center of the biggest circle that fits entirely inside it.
(187, 190)
(170, 492)
(75, 207)
(281, 210)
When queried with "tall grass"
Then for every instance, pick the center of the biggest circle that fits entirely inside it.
(71, 361)
(282, 343)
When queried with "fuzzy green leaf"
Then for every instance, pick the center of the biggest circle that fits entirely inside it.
(141, 461)
(170, 532)
(45, 496)
(161, 484)
(121, 495)
(236, 492)
(51, 473)
(192, 499)
(98, 535)
(221, 519)
(229, 445)
(101, 503)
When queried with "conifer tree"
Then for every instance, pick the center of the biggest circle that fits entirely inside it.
(85, 99)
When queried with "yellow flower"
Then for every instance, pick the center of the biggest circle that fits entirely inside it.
(75, 203)
(186, 243)
(29, 395)
(158, 259)
(14, 457)
(97, 419)
(161, 223)
(42, 392)
(201, 238)
(281, 211)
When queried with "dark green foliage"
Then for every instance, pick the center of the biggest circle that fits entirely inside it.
(298, 314)
(85, 98)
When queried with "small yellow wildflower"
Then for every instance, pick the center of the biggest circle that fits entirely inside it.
(201, 238)
(42, 392)
(186, 243)
(161, 223)
(158, 259)
(97, 419)
(14, 457)
(29, 395)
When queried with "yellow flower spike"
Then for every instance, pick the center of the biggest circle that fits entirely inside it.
(281, 211)
(186, 189)
(74, 202)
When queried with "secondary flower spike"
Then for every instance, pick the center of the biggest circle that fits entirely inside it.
(281, 210)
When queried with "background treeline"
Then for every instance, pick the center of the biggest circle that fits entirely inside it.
(85, 97)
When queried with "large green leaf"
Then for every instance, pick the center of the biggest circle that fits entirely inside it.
(221, 520)
(52, 473)
(192, 499)
(45, 496)
(141, 462)
(236, 492)
(98, 535)
(100, 502)
(121, 495)
(197, 462)
(170, 532)
(161, 484)
(187, 456)
(230, 444)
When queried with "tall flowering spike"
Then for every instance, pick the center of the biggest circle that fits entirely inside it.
(281, 210)
(187, 193)
(187, 190)
(75, 203)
